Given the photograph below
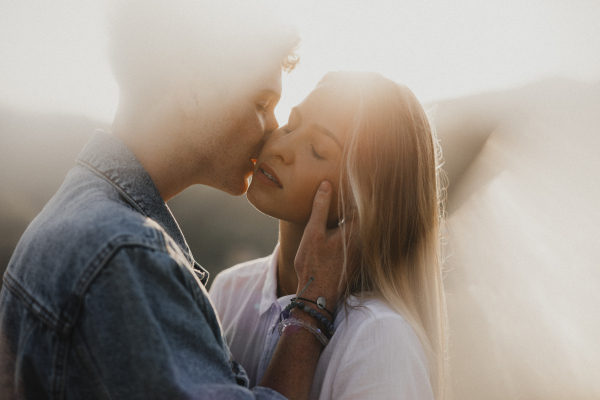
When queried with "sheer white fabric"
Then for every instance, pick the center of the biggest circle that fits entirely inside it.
(523, 267)
(374, 353)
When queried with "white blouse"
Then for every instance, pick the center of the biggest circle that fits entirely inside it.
(374, 354)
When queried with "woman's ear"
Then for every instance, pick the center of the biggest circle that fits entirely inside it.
(351, 213)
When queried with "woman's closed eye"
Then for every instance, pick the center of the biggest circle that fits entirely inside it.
(315, 154)
(263, 105)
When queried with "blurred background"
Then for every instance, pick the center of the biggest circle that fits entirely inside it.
(514, 90)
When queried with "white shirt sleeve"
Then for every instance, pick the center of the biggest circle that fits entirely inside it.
(220, 292)
(383, 359)
(216, 296)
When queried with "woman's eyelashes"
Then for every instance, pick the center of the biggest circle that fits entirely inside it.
(263, 105)
(286, 130)
(317, 155)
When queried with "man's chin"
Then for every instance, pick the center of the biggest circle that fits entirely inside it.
(238, 188)
(235, 187)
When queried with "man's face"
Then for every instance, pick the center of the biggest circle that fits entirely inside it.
(237, 135)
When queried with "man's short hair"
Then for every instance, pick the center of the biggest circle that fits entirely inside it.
(150, 41)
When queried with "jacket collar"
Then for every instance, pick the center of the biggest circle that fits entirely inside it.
(110, 158)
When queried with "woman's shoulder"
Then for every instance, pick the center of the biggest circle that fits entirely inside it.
(376, 320)
(374, 354)
(370, 310)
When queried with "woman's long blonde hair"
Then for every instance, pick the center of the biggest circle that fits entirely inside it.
(392, 181)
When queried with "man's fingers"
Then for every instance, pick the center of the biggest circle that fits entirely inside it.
(320, 209)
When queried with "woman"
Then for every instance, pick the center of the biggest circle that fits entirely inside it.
(370, 138)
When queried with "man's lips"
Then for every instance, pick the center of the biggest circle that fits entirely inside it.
(267, 176)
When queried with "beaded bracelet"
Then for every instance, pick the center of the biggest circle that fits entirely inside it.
(285, 314)
(298, 322)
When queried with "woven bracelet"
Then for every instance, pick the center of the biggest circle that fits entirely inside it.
(298, 322)
(317, 304)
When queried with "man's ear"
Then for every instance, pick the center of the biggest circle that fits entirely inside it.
(187, 90)
(189, 105)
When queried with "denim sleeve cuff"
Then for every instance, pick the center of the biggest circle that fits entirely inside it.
(263, 393)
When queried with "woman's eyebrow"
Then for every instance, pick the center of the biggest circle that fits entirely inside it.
(327, 132)
(319, 128)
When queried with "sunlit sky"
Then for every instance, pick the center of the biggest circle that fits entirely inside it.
(53, 52)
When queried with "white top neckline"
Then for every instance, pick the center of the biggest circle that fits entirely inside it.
(374, 354)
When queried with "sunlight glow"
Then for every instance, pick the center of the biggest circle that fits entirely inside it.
(54, 53)
(523, 261)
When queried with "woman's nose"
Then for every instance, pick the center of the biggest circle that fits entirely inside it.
(281, 145)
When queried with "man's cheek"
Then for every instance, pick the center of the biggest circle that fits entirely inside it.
(245, 127)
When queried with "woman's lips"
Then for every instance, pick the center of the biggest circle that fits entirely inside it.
(265, 175)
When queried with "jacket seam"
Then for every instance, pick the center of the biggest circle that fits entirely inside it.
(139, 208)
(100, 261)
(31, 303)
(59, 369)
(81, 351)
(71, 312)
(121, 191)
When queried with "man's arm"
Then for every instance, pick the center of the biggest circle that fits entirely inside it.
(148, 330)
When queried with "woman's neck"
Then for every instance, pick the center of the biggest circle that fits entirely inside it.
(290, 236)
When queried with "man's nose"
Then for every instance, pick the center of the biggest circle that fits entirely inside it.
(271, 124)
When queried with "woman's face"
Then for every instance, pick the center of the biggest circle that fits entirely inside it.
(298, 156)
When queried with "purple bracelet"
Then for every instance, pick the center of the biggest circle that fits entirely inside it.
(285, 314)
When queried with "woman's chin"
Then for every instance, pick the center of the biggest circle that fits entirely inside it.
(256, 198)
(268, 205)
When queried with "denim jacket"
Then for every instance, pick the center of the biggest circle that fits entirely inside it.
(102, 298)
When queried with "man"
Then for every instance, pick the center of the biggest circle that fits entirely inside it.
(102, 297)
